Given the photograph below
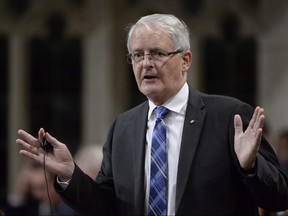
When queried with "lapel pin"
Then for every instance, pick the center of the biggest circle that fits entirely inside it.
(192, 121)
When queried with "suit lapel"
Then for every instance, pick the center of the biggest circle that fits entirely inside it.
(138, 132)
(190, 138)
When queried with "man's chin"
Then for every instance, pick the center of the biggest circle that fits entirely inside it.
(149, 92)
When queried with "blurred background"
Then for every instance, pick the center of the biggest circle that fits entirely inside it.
(63, 64)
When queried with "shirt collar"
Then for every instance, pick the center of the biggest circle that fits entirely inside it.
(176, 103)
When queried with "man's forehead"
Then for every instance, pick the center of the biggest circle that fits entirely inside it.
(147, 39)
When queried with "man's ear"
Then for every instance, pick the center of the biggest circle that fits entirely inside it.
(187, 60)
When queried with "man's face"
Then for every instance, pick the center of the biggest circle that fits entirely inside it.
(158, 80)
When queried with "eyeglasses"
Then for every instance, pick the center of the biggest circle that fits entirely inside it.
(155, 55)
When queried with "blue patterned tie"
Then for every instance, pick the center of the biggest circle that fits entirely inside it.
(158, 171)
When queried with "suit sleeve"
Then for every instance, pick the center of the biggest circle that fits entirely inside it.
(267, 183)
(87, 196)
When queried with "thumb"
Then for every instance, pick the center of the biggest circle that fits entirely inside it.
(238, 125)
(53, 141)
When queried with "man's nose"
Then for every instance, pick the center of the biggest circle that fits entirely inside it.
(147, 59)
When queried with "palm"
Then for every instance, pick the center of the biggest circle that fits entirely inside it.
(247, 143)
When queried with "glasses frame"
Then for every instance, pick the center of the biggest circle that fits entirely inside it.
(130, 57)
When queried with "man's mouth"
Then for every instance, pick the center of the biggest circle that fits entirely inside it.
(149, 77)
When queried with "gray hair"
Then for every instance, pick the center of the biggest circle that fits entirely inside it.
(167, 22)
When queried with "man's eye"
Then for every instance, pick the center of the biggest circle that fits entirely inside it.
(159, 54)
(137, 55)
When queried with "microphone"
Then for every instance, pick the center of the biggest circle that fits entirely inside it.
(46, 146)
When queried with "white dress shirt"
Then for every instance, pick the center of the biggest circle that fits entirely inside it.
(174, 127)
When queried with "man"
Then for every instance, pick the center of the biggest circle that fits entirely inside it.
(212, 167)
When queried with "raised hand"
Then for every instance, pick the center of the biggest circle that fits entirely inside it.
(247, 143)
(59, 161)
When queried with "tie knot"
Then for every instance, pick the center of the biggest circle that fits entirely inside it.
(161, 112)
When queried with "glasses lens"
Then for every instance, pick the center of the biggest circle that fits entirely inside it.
(138, 56)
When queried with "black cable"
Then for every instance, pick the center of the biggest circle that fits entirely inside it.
(47, 189)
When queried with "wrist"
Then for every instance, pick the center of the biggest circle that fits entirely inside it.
(64, 177)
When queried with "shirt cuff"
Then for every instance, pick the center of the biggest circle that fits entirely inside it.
(62, 184)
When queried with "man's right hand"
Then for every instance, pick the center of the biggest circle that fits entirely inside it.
(59, 161)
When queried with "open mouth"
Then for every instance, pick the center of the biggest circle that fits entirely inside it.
(149, 77)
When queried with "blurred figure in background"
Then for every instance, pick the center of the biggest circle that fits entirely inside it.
(281, 146)
(29, 196)
(20, 200)
(282, 149)
(89, 158)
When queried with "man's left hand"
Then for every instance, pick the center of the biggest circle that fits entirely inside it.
(247, 143)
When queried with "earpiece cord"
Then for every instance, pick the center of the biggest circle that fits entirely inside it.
(47, 189)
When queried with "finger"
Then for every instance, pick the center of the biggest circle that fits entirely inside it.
(32, 156)
(29, 138)
(30, 151)
(52, 140)
(238, 125)
(260, 125)
(27, 147)
(41, 134)
(259, 137)
(254, 118)
(260, 120)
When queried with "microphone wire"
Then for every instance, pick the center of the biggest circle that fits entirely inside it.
(46, 181)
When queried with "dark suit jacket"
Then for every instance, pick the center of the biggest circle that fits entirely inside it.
(210, 180)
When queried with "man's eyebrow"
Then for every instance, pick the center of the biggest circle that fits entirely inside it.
(137, 50)
(155, 49)
(150, 49)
